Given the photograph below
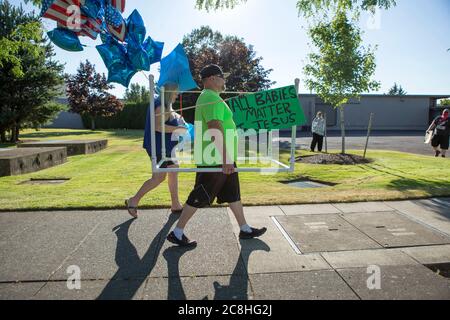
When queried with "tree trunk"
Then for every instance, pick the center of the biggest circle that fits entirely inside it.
(17, 133)
(13, 137)
(2, 135)
(92, 123)
(341, 109)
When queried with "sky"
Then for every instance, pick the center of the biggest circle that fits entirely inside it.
(413, 39)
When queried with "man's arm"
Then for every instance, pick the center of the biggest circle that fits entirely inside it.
(228, 164)
(433, 125)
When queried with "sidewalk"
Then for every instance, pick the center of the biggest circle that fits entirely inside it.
(309, 252)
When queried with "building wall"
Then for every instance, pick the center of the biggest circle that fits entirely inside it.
(308, 105)
(67, 120)
(390, 112)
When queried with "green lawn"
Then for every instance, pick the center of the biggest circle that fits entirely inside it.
(105, 179)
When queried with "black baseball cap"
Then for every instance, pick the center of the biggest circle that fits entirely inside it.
(212, 70)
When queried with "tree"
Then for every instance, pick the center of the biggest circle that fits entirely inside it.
(87, 92)
(204, 46)
(35, 2)
(308, 8)
(206, 4)
(29, 79)
(445, 102)
(397, 90)
(137, 94)
(22, 38)
(342, 68)
(217, 4)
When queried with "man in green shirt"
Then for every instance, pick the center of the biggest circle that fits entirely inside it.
(215, 147)
(211, 108)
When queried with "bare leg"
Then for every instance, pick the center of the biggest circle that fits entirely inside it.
(238, 211)
(437, 151)
(148, 186)
(188, 213)
(173, 188)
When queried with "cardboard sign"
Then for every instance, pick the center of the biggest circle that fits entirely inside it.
(271, 110)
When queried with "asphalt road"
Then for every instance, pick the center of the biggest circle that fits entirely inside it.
(411, 142)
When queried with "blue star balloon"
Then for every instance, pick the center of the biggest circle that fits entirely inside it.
(65, 39)
(114, 55)
(154, 50)
(93, 8)
(175, 69)
(121, 73)
(105, 37)
(138, 56)
(112, 52)
(136, 28)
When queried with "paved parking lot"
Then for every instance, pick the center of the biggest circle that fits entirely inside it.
(411, 142)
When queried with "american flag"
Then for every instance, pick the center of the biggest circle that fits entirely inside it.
(118, 4)
(76, 2)
(91, 28)
(88, 33)
(95, 25)
(85, 31)
(45, 6)
(118, 32)
(59, 11)
(113, 16)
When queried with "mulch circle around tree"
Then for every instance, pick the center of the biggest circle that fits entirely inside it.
(329, 158)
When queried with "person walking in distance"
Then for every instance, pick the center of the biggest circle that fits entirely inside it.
(441, 132)
(318, 131)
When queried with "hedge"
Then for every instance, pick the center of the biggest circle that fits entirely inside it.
(131, 117)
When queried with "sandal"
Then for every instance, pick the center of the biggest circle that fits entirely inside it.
(131, 210)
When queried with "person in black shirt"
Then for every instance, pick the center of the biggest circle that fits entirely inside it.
(441, 133)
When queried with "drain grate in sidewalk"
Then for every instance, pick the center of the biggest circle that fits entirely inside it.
(46, 181)
(306, 184)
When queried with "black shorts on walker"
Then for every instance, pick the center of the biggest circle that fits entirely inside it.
(209, 186)
(440, 141)
(165, 165)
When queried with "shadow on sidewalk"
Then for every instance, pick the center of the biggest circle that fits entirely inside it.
(131, 267)
(238, 286)
(237, 289)
(175, 287)
(440, 206)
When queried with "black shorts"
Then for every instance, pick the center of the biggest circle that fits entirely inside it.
(440, 141)
(165, 164)
(209, 186)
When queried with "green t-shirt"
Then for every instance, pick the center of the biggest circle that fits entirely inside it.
(210, 106)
